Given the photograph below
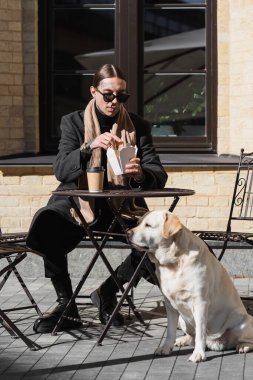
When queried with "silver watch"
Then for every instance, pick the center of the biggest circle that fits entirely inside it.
(85, 148)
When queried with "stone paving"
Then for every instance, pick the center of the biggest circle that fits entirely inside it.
(127, 353)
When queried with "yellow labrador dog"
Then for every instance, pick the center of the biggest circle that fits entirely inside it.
(197, 289)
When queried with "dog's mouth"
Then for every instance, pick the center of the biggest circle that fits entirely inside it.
(139, 248)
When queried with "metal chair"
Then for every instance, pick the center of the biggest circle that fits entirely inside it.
(14, 250)
(241, 209)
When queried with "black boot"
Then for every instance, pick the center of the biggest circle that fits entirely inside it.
(105, 299)
(126, 270)
(64, 292)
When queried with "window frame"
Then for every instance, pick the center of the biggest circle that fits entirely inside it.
(129, 56)
(179, 144)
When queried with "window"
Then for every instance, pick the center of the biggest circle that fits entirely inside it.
(71, 33)
(167, 50)
(179, 80)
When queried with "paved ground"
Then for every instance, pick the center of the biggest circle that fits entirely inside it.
(126, 353)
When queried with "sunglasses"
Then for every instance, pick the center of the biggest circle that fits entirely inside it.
(121, 97)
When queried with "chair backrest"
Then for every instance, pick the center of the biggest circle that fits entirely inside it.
(242, 200)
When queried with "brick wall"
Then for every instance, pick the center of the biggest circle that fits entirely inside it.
(23, 192)
(208, 209)
(19, 130)
(235, 75)
(18, 77)
(11, 81)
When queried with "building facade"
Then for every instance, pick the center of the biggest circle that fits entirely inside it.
(215, 55)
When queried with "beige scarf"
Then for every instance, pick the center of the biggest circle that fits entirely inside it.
(125, 130)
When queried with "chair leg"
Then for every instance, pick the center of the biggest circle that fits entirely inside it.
(17, 274)
(131, 295)
(223, 249)
(15, 332)
(7, 323)
(123, 297)
(6, 276)
(132, 299)
(7, 327)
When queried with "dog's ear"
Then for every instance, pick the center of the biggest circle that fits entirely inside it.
(171, 225)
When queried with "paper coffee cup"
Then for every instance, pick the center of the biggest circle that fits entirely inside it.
(95, 177)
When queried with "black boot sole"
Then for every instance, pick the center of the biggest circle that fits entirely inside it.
(43, 325)
(105, 316)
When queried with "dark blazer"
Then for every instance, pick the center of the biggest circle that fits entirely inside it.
(53, 228)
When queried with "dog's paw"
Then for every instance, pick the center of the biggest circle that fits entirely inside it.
(197, 356)
(185, 340)
(163, 351)
(242, 348)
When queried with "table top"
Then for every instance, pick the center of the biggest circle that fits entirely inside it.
(133, 193)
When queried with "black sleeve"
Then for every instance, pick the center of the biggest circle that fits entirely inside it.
(69, 163)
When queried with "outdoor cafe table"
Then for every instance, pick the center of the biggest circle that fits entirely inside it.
(109, 196)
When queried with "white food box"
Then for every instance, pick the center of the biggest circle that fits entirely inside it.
(119, 158)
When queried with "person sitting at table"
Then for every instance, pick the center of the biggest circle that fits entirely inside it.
(85, 137)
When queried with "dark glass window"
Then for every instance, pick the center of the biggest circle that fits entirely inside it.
(174, 39)
(175, 104)
(71, 93)
(175, 70)
(79, 36)
(175, 2)
(73, 3)
(73, 34)
(167, 50)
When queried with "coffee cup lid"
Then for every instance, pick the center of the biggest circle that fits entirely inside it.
(95, 169)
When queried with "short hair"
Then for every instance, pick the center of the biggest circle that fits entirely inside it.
(107, 71)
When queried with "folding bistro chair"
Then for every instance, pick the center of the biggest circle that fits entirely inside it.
(14, 250)
(241, 209)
